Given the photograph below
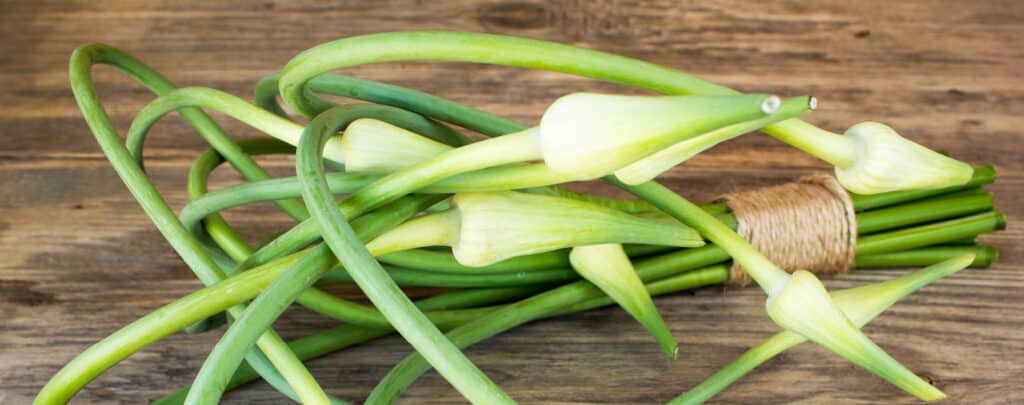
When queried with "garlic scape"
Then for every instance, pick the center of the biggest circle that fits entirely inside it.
(582, 136)
(861, 305)
(586, 135)
(486, 228)
(374, 146)
(797, 302)
(887, 161)
(802, 305)
(873, 158)
(608, 268)
(650, 167)
(499, 225)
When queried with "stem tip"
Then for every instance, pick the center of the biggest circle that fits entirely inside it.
(770, 105)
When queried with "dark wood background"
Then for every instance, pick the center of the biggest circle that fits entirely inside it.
(78, 259)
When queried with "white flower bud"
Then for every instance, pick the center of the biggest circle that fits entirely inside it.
(584, 136)
(802, 305)
(499, 225)
(887, 161)
(374, 146)
(860, 305)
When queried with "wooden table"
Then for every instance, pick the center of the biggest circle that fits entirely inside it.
(78, 259)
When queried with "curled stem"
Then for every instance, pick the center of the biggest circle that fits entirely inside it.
(371, 278)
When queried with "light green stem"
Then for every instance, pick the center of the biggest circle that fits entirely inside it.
(190, 250)
(528, 53)
(451, 363)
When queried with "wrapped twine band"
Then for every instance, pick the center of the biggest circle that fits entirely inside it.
(809, 224)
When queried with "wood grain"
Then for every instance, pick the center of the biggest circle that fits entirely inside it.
(78, 259)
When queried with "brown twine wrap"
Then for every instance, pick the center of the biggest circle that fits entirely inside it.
(808, 224)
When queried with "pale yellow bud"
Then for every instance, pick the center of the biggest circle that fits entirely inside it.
(887, 161)
(374, 146)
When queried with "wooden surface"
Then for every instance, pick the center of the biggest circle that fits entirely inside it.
(78, 259)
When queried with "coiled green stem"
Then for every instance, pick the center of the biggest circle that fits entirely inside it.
(371, 278)
(63, 385)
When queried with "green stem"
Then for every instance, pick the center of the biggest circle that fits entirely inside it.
(121, 159)
(931, 234)
(267, 122)
(983, 174)
(192, 97)
(762, 270)
(436, 261)
(970, 241)
(496, 151)
(921, 212)
(206, 205)
(155, 326)
(225, 357)
(215, 225)
(424, 278)
(492, 125)
(243, 287)
(511, 51)
(189, 309)
(542, 305)
(984, 257)
(444, 262)
(261, 313)
(343, 336)
(451, 363)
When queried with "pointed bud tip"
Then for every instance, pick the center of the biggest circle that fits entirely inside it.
(935, 396)
(927, 392)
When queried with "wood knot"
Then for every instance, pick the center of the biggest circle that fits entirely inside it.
(23, 293)
(515, 15)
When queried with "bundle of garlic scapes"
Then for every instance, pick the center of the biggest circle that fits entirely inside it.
(490, 219)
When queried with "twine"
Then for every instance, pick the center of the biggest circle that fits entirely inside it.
(808, 224)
